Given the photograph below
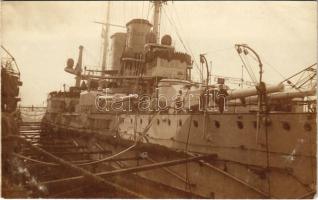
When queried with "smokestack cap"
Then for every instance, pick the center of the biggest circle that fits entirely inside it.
(139, 21)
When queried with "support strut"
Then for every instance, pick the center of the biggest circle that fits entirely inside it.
(138, 168)
(82, 171)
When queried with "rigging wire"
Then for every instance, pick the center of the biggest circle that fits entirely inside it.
(188, 184)
(141, 136)
(100, 53)
(149, 8)
(142, 10)
(305, 80)
(131, 9)
(12, 58)
(34, 160)
(180, 24)
(251, 69)
(218, 50)
(110, 157)
(90, 55)
(182, 29)
(274, 68)
(171, 21)
(306, 69)
(294, 85)
(178, 20)
(124, 11)
(244, 64)
(285, 79)
(187, 44)
(100, 43)
(254, 58)
(299, 79)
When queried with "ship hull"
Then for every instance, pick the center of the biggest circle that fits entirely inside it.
(249, 164)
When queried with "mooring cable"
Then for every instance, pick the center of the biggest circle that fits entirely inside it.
(125, 150)
(34, 160)
(110, 157)
(83, 172)
(96, 161)
(56, 164)
(188, 184)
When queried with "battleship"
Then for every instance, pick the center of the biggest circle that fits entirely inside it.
(202, 139)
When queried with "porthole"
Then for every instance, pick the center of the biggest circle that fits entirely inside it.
(267, 121)
(158, 121)
(169, 122)
(254, 124)
(217, 124)
(195, 123)
(307, 127)
(286, 126)
(240, 124)
(180, 122)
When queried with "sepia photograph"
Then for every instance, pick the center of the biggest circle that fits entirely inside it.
(159, 99)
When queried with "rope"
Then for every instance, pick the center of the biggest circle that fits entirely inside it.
(245, 66)
(188, 184)
(287, 79)
(34, 160)
(249, 66)
(124, 11)
(110, 157)
(83, 172)
(218, 50)
(149, 8)
(304, 81)
(267, 145)
(91, 55)
(179, 21)
(171, 21)
(142, 10)
(125, 150)
(13, 59)
(280, 74)
(302, 71)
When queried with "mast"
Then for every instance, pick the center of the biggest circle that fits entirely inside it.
(105, 37)
(156, 18)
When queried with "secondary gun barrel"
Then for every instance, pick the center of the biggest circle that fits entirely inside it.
(276, 96)
(242, 93)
